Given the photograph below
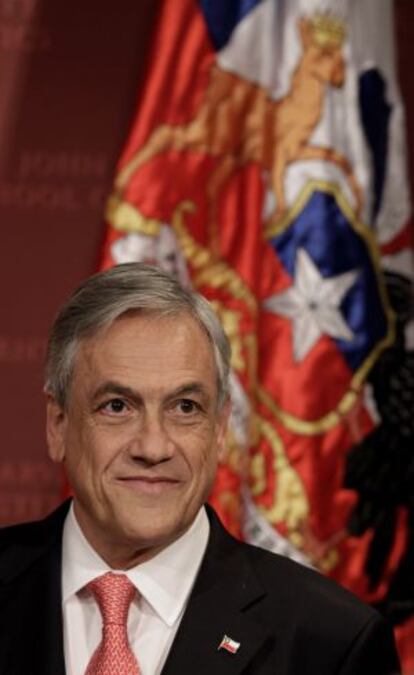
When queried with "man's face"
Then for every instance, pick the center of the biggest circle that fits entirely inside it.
(141, 434)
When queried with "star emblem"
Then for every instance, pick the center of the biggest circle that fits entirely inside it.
(313, 304)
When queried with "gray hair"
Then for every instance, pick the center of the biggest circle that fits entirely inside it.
(105, 297)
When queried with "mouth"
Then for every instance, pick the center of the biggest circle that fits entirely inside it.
(148, 485)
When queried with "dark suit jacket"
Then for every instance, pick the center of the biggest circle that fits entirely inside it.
(287, 619)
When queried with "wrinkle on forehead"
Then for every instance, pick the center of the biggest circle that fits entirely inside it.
(165, 352)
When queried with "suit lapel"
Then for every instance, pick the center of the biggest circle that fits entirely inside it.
(223, 602)
(225, 591)
(31, 640)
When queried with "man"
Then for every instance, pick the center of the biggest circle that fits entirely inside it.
(136, 575)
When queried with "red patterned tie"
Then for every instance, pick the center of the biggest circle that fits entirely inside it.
(113, 656)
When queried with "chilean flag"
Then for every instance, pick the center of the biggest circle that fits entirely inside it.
(264, 170)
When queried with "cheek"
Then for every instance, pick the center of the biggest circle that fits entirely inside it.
(87, 450)
(201, 453)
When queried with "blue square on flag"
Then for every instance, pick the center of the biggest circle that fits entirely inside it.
(324, 246)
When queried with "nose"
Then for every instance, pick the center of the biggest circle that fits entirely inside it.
(152, 445)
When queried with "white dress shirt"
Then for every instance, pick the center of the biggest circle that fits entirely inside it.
(163, 582)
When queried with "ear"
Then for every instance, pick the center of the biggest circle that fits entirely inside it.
(55, 429)
(222, 426)
(305, 32)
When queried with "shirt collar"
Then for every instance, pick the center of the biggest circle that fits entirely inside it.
(165, 581)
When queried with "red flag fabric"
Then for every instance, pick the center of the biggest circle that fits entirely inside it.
(264, 169)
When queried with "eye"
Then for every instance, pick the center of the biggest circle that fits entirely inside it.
(115, 406)
(187, 406)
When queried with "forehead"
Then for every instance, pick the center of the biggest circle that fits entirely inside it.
(144, 346)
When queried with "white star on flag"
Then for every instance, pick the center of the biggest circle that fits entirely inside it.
(313, 305)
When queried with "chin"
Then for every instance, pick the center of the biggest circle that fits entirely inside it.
(148, 530)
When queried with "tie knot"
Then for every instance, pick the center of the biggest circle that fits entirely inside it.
(114, 594)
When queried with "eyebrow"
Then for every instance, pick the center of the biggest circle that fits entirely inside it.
(111, 387)
(190, 388)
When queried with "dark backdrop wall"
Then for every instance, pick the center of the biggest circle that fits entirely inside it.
(69, 74)
(69, 78)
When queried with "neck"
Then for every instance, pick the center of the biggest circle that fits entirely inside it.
(117, 553)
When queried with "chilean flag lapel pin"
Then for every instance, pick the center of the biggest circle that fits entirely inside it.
(229, 645)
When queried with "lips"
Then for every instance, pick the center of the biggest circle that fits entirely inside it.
(149, 484)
